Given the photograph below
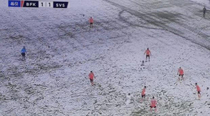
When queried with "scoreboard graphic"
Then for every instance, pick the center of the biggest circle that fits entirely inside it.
(37, 4)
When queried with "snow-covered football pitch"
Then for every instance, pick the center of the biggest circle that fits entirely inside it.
(62, 50)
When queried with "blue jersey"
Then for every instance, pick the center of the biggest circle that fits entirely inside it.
(23, 50)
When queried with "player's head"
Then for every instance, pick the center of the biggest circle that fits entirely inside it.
(196, 84)
(147, 48)
(145, 87)
(23, 46)
(91, 71)
(153, 97)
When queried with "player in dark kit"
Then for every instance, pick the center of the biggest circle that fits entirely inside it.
(204, 11)
(23, 53)
(142, 63)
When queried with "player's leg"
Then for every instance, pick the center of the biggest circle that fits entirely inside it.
(91, 25)
(199, 94)
(142, 97)
(149, 57)
(150, 108)
(91, 81)
(155, 109)
(23, 56)
(146, 57)
(182, 76)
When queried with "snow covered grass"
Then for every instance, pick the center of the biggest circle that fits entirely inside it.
(203, 2)
(62, 50)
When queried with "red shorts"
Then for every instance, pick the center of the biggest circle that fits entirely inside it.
(91, 80)
(152, 106)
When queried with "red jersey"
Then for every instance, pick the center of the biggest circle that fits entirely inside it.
(143, 91)
(153, 102)
(91, 75)
(181, 71)
(91, 20)
(198, 88)
(147, 52)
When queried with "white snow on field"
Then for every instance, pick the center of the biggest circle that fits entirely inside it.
(203, 2)
(62, 50)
